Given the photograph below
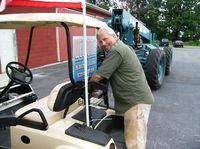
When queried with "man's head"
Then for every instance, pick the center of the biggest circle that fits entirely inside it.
(106, 38)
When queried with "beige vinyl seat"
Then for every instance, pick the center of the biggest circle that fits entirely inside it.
(52, 107)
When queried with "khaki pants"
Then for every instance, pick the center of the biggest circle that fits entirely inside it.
(135, 126)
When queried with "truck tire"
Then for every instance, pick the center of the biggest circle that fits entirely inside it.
(155, 68)
(169, 55)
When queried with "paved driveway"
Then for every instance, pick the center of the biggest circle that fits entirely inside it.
(175, 116)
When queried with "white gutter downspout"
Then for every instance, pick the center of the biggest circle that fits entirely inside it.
(2, 5)
(57, 42)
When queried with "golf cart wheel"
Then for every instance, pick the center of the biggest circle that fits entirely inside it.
(169, 55)
(155, 68)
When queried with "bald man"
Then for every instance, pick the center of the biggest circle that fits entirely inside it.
(132, 95)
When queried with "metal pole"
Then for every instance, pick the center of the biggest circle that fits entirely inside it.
(85, 63)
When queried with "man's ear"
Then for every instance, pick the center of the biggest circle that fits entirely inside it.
(115, 36)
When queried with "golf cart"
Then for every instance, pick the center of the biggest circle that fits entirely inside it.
(59, 121)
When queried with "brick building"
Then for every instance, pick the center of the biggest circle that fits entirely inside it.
(44, 50)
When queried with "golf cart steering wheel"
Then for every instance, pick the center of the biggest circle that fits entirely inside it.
(19, 73)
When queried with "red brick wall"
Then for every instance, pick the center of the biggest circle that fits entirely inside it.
(43, 49)
(26, 10)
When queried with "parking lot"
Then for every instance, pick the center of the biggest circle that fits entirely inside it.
(174, 121)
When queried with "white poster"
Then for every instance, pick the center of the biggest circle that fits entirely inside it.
(78, 56)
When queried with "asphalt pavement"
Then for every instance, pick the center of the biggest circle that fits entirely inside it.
(174, 121)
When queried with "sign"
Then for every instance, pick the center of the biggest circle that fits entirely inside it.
(78, 57)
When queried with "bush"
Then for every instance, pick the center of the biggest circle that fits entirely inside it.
(193, 43)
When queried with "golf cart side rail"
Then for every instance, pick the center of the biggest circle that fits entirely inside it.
(13, 121)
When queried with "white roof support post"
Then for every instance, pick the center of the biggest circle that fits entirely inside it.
(85, 63)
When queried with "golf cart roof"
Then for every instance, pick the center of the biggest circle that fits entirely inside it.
(27, 20)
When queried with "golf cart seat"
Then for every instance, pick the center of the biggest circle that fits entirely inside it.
(51, 110)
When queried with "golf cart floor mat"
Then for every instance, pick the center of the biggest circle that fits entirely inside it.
(96, 115)
(88, 134)
(113, 125)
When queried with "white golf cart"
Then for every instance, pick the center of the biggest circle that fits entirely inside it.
(58, 121)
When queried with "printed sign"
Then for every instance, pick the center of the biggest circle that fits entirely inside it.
(78, 57)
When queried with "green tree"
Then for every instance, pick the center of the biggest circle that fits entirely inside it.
(105, 4)
(137, 7)
(181, 19)
(92, 1)
(173, 19)
(146, 11)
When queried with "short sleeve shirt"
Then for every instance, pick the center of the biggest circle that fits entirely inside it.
(126, 76)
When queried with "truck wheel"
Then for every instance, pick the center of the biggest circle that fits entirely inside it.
(169, 55)
(155, 68)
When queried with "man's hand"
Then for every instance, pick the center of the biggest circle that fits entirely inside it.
(96, 77)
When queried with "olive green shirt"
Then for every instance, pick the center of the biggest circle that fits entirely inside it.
(126, 76)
